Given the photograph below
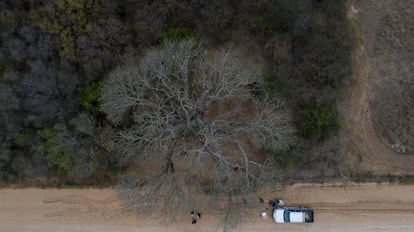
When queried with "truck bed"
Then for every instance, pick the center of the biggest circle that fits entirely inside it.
(309, 215)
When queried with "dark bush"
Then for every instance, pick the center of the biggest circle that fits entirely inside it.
(317, 121)
(177, 34)
(58, 147)
(215, 18)
(89, 96)
(288, 158)
(150, 20)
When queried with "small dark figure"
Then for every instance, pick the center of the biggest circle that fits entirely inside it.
(279, 202)
(198, 215)
(192, 213)
(273, 204)
(194, 221)
(261, 200)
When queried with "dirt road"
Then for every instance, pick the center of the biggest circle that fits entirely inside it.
(338, 207)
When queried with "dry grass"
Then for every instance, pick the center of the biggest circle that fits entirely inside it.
(378, 101)
(391, 89)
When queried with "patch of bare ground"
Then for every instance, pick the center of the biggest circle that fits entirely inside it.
(338, 207)
(380, 58)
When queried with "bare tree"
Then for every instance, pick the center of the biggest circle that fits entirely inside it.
(194, 114)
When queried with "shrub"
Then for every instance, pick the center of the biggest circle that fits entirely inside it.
(24, 138)
(84, 123)
(11, 18)
(276, 81)
(89, 96)
(69, 20)
(317, 121)
(58, 147)
(287, 158)
(215, 18)
(18, 165)
(177, 34)
(277, 16)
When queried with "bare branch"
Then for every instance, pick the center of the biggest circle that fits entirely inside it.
(194, 112)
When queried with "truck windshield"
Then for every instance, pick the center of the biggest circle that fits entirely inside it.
(286, 216)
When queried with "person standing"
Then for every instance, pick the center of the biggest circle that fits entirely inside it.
(193, 219)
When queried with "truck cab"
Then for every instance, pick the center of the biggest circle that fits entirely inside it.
(293, 215)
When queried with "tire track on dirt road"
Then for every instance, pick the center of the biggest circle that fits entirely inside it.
(84, 207)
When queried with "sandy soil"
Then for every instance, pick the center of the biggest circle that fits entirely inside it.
(338, 207)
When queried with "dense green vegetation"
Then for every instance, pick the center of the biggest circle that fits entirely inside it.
(55, 54)
(317, 120)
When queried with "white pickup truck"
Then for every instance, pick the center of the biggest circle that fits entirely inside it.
(293, 215)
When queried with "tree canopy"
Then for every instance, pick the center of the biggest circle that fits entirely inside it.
(195, 115)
